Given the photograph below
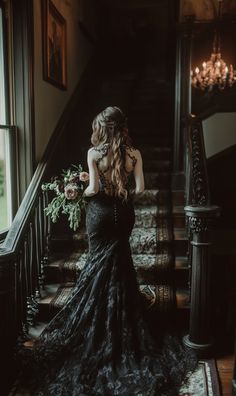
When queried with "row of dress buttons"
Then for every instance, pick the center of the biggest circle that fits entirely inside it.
(115, 213)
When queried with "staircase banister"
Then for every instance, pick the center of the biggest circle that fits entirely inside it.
(11, 244)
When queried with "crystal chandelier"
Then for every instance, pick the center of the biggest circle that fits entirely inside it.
(214, 73)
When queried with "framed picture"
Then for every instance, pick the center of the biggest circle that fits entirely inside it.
(54, 45)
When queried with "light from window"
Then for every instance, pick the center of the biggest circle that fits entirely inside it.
(5, 196)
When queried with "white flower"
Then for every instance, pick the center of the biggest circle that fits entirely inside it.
(71, 191)
(84, 176)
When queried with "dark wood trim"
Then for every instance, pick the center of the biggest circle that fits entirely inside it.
(23, 54)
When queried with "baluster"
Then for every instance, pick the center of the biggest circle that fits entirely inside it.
(35, 258)
(189, 257)
(33, 276)
(29, 306)
(37, 251)
(17, 302)
(40, 234)
(24, 328)
(47, 228)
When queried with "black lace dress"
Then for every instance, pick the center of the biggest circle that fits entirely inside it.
(100, 344)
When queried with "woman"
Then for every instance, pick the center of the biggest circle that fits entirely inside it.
(100, 343)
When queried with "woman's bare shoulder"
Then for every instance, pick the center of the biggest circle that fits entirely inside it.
(133, 150)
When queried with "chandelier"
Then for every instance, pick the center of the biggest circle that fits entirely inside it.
(214, 73)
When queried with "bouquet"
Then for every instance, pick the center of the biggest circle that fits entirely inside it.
(69, 198)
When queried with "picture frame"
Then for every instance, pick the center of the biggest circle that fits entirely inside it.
(54, 45)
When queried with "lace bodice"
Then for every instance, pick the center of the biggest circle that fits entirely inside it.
(103, 160)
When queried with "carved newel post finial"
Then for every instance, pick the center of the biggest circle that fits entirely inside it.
(199, 219)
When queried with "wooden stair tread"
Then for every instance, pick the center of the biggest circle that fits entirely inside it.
(165, 294)
(181, 262)
(180, 234)
(178, 209)
(182, 298)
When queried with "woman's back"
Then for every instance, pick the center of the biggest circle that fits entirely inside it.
(102, 157)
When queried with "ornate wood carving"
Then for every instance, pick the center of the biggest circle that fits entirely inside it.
(199, 219)
(199, 186)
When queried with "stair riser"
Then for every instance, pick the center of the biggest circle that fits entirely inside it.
(70, 246)
(178, 277)
(178, 198)
(146, 272)
(154, 180)
(180, 247)
(181, 277)
(179, 221)
(155, 153)
(147, 198)
(46, 313)
(156, 125)
(62, 246)
(153, 278)
(55, 275)
(156, 165)
(146, 136)
(152, 135)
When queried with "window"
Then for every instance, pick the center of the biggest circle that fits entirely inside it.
(7, 140)
(16, 106)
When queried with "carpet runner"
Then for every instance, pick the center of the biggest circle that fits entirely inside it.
(203, 382)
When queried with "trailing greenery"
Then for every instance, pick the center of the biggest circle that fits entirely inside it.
(69, 198)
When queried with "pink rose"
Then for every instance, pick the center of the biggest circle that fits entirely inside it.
(84, 176)
(71, 191)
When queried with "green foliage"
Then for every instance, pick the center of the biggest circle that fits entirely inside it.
(68, 199)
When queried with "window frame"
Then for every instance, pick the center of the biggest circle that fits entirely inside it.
(18, 26)
(10, 129)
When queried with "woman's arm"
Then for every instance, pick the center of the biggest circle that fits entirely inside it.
(138, 173)
(93, 186)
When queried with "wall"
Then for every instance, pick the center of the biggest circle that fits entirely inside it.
(219, 132)
(50, 101)
(205, 9)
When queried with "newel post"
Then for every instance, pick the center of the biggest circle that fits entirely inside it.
(199, 219)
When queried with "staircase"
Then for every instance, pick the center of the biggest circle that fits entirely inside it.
(158, 241)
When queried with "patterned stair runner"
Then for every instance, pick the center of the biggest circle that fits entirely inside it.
(158, 240)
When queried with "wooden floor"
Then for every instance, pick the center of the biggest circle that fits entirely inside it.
(225, 366)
